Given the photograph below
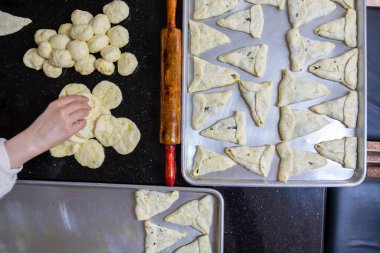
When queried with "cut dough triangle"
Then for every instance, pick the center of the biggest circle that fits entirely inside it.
(294, 162)
(10, 24)
(205, 9)
(278, 3)
(252, 59)
(343, 151)
(150, 203)
(293, 89)
(159, 238)
(342, 68)
(303, 50)
(341, 29)
(304, 11)
(345, 109)
(204, 37)
(209, 76)
(296, 123)
(207, 105)
(249, 21)
(200, 245)
(254, 159)
(207, 161)
(258, 97)
(195, 213)
(230, 129)
(348, 4)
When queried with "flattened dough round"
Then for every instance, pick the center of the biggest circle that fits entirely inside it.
(90, 154)
(106, 130)
(73, 89)
(108, 94)
(116, 11)
(130, 136)
(67, 148)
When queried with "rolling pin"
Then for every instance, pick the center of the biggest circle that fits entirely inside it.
(170, 90)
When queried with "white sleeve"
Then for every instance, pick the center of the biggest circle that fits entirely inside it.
(8, 176)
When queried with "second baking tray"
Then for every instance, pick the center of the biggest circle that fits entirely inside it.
(274, 35)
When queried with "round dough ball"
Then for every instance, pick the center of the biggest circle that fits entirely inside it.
(81, 32)
(65, 29)
(90, 154)
(130, 136)
(61, 59)
(110, 53)
(74, 89)
(85, 66)
(67, 148)
(78, 50)
(127, 64)
(100, 24)
(79, 17)
(97, 43)
(104, 67)
(105, 130)
(42, 35)
(33, 60)
(45, 49)
(108, 94)
(116, 11)
(59, 41)
(51, 71)
(119, 36)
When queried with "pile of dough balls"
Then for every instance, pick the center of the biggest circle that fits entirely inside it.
(120, 133)
(76, 42)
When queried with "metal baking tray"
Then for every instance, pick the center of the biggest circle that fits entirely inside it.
(274, 35)
(86, 217)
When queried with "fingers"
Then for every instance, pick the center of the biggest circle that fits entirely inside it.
(78, 115)
(70, 99)
(78, 125)
(75, 106)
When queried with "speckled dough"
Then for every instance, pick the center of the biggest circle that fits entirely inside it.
(200, 245)
(130, 136)
(278, 3)
(150, 203)
(108, 94)
(90, 154)
(106, 130)
(205, 9)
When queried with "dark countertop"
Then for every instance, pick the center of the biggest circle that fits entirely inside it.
(256, 219)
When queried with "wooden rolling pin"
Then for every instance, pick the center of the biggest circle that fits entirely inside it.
(171, 70)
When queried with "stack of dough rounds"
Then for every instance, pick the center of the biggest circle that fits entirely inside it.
(120, 133)
(76, 42)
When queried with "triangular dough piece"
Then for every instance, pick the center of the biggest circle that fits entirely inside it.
(348, 4)
(258, 97)
(294, 162)
(342, 68)
(343, 151)
(278, 3)
(10, 24)
(296, 123)
(254, 159)
(304, 11)
(303, 50)
(345, 109)
(150, 203)
(204, 37)
(159, 238)
(249, 21)
(205, 9)
(230, 129)
(209, 76)
(252, 59)
(293, 89)
(341, 29)
(200, 245)
(195, 213)
(207, 161)
(207, 105)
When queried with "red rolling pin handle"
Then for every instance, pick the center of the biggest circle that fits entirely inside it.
(170, 166)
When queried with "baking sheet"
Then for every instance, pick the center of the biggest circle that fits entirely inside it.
(274, 35)
(55, 217)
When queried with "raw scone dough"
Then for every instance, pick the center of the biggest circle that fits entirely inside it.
(207, 161)
(293, 89)
(199, 245)
(104, 67)
(252, 59)
(208, 76)
(348, 4)
(86, 66)
(258, 97)
(296, 123)
(45, 49)
(207, 105)
(205, 9)
(127, 64)
(61, 59)
(343, 151)
(51, 71)
(100, 24)
(116, 11)
(303, 50)
(81, 32)
(231, 129)
(78, 50)
(150, 203)
(66, 148)
(42, 35)
(294, 162)
(159, 238)
(97, 43)
(111, 53)
(130, 136)
(65, 29)
(90, 154)
(79, 17)
(10, 24)
(74, 89)
(106, 130)
(304, 11)
(342, 68)
(118, 36)
(32, 59)
(345, 109)
(59, 41)
(341, 29)
(204, 38)
(96, 112)
(108, 94)
(255, 159)
(249, 21)
(195, 213)
(278, 3)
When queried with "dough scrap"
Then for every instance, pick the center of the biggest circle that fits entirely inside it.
(42, 35)
(10, 24)
(59, 41)
(110, 53)
(78, 50)
(61, 59)
(81, 32)
(51, 71)
(205, 9)
(199, 245)
(45, 49)
(66, 148)
(65, 29)
(150, 203)
(108, 94)
(277, 3)
(127, 64)
(104, 67)
(97, 43)
(32, 59)
(116, 11)
(118, 36)
(348, 4)
(90, 154)
(79, 17)
(130, 136)
(85, 66)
